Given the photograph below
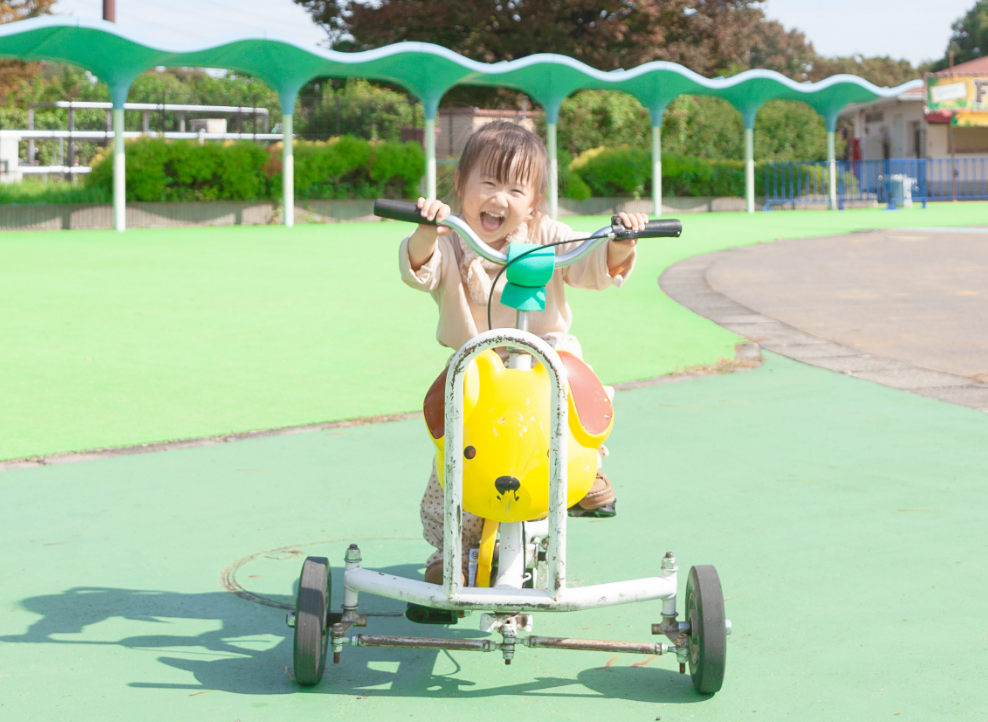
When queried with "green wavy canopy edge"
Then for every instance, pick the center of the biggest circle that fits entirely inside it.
(427, 71)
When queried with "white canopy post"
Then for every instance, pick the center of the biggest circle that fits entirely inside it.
(118, 95)
(119, 173)
(430, 157)
(749, 170)
(551, 125)
(657, 113)
(288, 170)
(287, 95)
(832, 169)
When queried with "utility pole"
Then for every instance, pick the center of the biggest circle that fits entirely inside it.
(110, 10)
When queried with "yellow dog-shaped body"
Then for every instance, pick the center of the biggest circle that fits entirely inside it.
(506, 435)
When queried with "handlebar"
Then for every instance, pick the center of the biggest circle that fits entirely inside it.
(410, 213)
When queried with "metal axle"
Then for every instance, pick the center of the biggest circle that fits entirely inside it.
(489, 645)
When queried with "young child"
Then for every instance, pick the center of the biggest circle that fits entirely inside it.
(499, 190)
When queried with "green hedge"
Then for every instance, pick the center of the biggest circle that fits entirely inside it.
(347, 167)
(626, 171)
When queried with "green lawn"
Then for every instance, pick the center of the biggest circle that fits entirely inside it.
(112, 340)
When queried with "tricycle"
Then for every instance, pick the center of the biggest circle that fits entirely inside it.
(517, 446)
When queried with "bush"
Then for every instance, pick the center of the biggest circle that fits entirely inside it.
(611, 172)
(572, 186)
(347, 167)
(36, 190)
(625, 171)
(160, 170)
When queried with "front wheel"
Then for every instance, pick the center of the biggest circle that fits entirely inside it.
(311, 631)
(708, 629)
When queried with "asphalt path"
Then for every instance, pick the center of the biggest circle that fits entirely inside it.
(918, 296)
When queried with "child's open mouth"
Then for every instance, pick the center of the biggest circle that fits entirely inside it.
(491, 221)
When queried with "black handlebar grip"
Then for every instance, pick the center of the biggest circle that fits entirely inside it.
(670, 228)
(400, 211)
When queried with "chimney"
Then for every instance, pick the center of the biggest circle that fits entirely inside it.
(110, 10)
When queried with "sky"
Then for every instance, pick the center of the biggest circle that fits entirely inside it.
(916, 30)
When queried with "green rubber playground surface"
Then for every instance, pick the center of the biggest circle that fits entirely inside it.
(846, 520)
(113, 340)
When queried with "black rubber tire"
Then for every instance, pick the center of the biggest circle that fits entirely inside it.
(708, 629)
(311, 631)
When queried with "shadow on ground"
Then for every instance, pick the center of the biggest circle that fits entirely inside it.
(251, 650)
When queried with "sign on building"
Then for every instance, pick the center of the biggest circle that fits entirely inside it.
(963, 96)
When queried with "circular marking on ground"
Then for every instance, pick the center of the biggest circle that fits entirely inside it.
(265, 578)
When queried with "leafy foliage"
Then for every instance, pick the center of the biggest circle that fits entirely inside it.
(347, 167)
(707, 37)
(692, 126)
(970, 37)
(625, 171)
(13, 72)
(35, 190)
(356, 107)
(881, 71)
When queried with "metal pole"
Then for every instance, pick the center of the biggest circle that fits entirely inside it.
(71, 158)
(657, 169)
(832, 164)
(119, 172)
(553, 170)
(749, 169)
(430, 157)
(953, 162)
(288, 171)
(30, 142)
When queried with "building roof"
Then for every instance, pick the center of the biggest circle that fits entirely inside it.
(978, 65)
(427, 71)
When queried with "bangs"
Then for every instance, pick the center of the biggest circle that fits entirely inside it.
(505, 163)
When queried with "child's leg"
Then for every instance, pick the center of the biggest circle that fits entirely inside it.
(431, 513)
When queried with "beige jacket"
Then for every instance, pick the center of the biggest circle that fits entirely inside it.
(460, 319)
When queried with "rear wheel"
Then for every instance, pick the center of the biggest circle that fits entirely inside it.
(708, 629)
(311, 631)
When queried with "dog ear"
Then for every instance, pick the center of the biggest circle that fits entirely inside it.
(434, 406)
(591, 414)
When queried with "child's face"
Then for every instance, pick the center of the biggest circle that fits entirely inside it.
(494, 209)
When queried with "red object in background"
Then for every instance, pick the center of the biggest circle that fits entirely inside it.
(855, 149)
(938, 117)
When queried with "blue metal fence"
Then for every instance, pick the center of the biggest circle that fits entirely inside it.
(894, 181)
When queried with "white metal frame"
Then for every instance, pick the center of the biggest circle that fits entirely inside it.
(507, 595)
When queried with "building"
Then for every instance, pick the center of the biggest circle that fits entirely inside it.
(455, 125)
(906, 126)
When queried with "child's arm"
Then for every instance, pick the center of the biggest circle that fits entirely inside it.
(422, 243)
(620, 252)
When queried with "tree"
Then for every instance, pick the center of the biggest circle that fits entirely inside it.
(707, 36)
(12, 72)
(970, 37)
(881, 71)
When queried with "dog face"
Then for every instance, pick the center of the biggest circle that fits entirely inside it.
(506, 435)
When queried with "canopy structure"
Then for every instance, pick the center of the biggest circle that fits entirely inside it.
(426, 71)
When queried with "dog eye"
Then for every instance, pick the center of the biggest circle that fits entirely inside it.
(469, 452)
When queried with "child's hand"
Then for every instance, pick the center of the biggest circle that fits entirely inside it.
(619, 252)
(634, 221)
(422, 244)
(433, 210)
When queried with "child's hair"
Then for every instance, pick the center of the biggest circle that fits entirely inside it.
(508, 152)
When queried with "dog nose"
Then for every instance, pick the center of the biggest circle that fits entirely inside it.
(504, 484)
